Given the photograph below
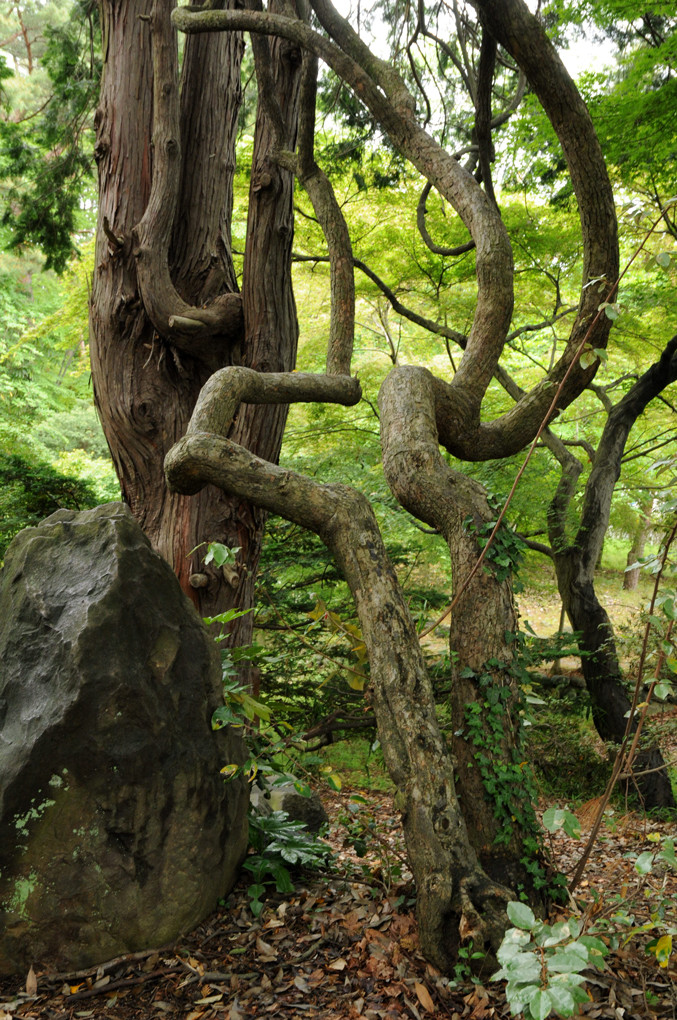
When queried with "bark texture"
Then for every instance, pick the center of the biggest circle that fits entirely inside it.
(145, 384)
(575, 563)
(456, 898)
(165, 311)
(492, 785)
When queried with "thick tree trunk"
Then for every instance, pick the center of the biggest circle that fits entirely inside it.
(144, 387)
(165, 200)
(492, 778)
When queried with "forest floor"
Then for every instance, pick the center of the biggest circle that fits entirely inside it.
(344, 945)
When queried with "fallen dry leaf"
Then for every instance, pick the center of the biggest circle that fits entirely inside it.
(31, 982)
(424, 997)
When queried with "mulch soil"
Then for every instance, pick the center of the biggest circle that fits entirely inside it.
(344, 945)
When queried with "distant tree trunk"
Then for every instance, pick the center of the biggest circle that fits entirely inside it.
(604, 680)
(165, 310)
(575, 567)
(639, 537)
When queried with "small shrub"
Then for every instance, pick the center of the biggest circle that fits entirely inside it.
(280, 846)
(565, 757)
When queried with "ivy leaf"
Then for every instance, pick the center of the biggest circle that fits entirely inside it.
(570, 960)
(219, 554)
(560, 818)
(523, 969)
(668, 855)
(562, 999)
(663, 259)
(662, 949)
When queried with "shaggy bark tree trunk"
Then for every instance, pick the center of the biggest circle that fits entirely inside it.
(165, 311)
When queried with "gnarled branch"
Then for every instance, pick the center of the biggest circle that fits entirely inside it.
(188, 328)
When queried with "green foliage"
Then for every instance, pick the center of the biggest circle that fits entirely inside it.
(506, 552)
(360, 760)
(280, 846)
(47, 152)
(543, 964)
(46, 410)
(360, 150)
(31, 491)
(631, 98)
(564, 754)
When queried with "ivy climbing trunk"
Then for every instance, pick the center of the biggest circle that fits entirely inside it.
(493, 782)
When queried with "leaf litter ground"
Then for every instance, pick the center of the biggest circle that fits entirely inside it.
(345, 946)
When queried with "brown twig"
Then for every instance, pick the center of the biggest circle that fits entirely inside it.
(112, 986)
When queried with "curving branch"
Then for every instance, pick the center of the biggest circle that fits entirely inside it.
(382, 91)
(485, 81)
(188, 328)
(392, 105)
(500, 118)
(437, 249)
(223, 393)
(451, 883)
(334, 228)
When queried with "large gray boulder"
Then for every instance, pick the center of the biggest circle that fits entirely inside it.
(117, 831)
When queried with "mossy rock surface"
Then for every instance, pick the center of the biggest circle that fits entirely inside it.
(117, 831)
